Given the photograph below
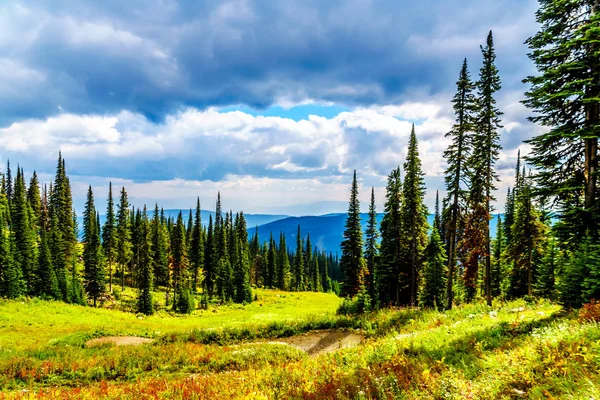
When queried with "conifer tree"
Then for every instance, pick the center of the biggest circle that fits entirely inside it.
(160, 247)
(25, 236)
(61, 205)
(243, 292)
(497, 259)
(283, 264)
(371, 245)
(456, 156)
(486, 147)
(92, 257)
(48, 282)
(9, 185)
(12, 284)
(565, 96)
(196, 248)
(352, 246)
(387, 268)
(434, 272)
(179, 263)
(546, 280)
(308, 265)
(124, 252)
(34, 198)
(579, 275)
(298, 264)
(413, 214)
(145, 284)
(271, 263)
(528, 234)
(210, 263)
(109, 236)
(324, 269)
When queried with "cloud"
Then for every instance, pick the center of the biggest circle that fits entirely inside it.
(206, 150)
(157, 57)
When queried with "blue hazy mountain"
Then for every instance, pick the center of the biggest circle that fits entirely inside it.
(326, 231)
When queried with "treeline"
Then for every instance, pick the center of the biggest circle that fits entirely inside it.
(455, 260)
(40, 253)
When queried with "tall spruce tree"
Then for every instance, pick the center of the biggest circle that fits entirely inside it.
(283, 264)
(145, 284)
(12, 284)
(34, 198)
(196, 247)
(434, 272)
(565, 96)
(298, 277)
(210, 260)
(25, 235)
(528, 235)
(109, 236)
(497, 259)
(92, 257)
(179, 264)
(371, 245)
(413, 214)
(48, 282)
(387, 268)
(486, 142)
(243, 292)
(352, 260)
(124, 251)
(160, 248)
(456, 175)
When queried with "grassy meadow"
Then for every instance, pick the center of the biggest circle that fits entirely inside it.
(513, 350)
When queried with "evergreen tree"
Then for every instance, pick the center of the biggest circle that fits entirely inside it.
(283, 265)
(34, 198)
(434, 272)
(271, 263)
(124, 252)
(243, 292)
(387, 268)
(579, 278)
(497, 259)
(210, 263)
(25, 236)
(371, 245)
(546, 281)
(298, 276)
(61, 205)
(196, 248)
(565, 97)
(92, 257)
(160, 248)
(486, 147)
(413, 214)
(352, 246)
(179, 264)
(145, 284)
(308, 265)
(109, 236)
(48, 282)
(9, 186)
(12, 284)
(528, 234)
(457, 156)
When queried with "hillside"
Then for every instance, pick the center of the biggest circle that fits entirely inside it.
(326, 231)
(267, 349)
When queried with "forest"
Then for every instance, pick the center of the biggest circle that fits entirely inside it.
(419, 310)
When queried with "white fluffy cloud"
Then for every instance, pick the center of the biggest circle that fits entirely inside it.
(254, 160)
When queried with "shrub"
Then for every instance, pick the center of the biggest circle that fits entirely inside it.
(590, 312)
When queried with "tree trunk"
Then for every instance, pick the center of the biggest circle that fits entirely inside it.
(591, 144)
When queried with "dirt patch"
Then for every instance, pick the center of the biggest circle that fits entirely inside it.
(319, 342)
(118, 341)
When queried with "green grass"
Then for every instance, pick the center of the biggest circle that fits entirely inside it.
(34, 323)
(515, 350)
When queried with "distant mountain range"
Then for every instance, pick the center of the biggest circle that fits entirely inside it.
(326, 231)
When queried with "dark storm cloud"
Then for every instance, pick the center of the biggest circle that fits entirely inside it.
(153, 57)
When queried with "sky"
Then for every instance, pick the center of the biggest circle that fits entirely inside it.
(272, 103)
